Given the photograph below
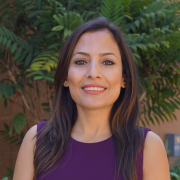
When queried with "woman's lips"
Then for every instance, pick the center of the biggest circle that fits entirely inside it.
(93, 86)
(95, 90)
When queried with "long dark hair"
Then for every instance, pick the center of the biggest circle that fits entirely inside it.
(124, 118)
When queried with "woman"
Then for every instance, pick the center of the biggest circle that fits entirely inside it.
(93, 132)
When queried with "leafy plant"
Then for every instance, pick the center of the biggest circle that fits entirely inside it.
(9, 175)
(151, 29)
(5, 178)
(175, 170)
(175, 167)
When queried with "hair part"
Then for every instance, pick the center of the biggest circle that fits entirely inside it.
(124, 117)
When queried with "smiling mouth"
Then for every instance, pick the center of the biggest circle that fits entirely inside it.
(94, 89)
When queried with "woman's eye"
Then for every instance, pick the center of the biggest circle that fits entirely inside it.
(80, 62)
(108, 62)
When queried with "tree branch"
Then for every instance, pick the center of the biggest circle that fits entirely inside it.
(22, 94)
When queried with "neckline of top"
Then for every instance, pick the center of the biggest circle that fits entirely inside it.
(92, 142)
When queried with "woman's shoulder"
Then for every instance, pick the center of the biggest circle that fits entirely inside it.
(152, 142)
(155, 158)
(24, 162)
(31, 133)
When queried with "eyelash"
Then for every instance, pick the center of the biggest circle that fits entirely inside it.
(80, 60)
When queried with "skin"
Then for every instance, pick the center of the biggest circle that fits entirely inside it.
(93, 110)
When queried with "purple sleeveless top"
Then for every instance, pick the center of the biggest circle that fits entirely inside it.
(88, 161)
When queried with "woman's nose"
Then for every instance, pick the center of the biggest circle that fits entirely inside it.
(94, 70)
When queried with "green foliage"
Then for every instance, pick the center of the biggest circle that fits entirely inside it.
(9, 175)
(175, 167)
(152, 33)
(5, 178)
(13, 134)
(7, 90)
(115, 11)
(175, 170)
(43, 66)
(67, 22)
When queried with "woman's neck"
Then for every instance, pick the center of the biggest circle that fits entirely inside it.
(92, 125)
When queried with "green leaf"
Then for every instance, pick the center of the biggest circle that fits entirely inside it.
(36, 71)
(21, 58)
(50, 35)
(8, 44)
(5, 178)
(4, 41)
(19, 121)
(141, 46)
(5, 103)
(54, 45)
(57, 28)
(58, 19)
(1, 39)
(148, 83)
(13, 48)
(2, 2)
(18, 53)
(26, 45)
(30, 7)
(32, 14)
(174, 105)
(137, 23)
(26, 2)
(39, 3)
(28, 60)
(143, 21)
(157, 120)
(178, 102)
(4, 8)
(45, 104)
(38, 77)
(173, 174)
(49, 79)
(150, 45)
(155, 77)
(6, 126)
(4, 90)
(129, 17)
(11, 131)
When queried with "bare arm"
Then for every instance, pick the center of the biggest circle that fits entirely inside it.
(155, 162)
(24, 168)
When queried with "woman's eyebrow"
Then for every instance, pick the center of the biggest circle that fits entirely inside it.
(101, 54)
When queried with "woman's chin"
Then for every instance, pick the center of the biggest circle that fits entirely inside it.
(94, 106)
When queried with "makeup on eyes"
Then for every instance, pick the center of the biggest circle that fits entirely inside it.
(81, 60)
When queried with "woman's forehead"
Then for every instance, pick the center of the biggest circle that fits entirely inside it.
(97, 41)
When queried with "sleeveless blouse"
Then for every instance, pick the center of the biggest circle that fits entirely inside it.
(88, 161)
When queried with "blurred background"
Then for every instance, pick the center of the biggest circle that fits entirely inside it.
(31, 34)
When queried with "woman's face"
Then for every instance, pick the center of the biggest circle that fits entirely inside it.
(95, 71)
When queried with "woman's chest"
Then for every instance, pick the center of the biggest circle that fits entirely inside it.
(85, 161)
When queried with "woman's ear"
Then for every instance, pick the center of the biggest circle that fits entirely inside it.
(66, 84)
(123, 83)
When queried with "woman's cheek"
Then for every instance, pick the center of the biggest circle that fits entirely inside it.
(114, 76)
(74, 79)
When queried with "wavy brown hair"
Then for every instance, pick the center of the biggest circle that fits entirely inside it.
(124, 118)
